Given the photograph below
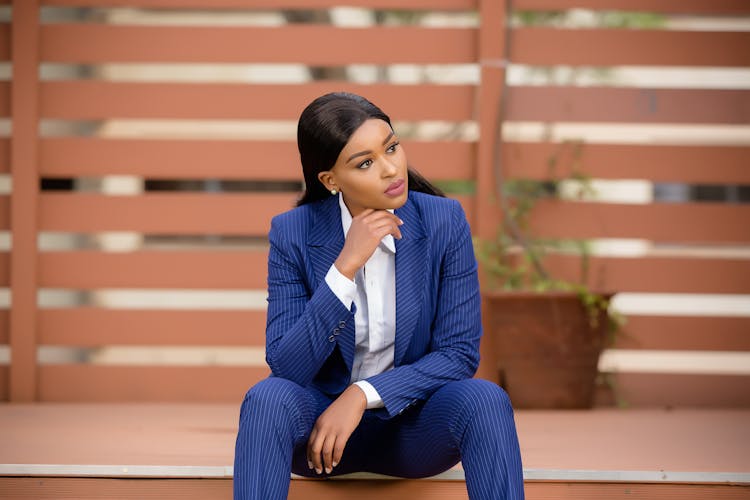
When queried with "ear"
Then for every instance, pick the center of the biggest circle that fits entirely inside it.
(326, 178)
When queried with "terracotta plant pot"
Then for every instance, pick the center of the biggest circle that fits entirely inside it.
(546, 352)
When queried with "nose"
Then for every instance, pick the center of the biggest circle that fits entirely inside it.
(389, 168)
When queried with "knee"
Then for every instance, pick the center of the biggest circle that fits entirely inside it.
(485, 399)
(270, 396)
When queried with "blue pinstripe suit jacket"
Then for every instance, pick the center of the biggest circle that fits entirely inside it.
(310, 333)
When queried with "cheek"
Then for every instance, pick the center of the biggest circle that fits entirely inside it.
(401, 158)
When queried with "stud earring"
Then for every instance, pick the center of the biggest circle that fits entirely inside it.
(334, 192)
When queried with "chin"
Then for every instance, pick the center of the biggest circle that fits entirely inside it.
(394, 203)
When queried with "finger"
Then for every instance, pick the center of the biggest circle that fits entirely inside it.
(317, 446)
(327, 452)
(364, 213)
(310, 442)
(382, 214)
(338, 450)
(396, 232)
(389, 228)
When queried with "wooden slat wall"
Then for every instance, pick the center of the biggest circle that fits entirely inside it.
(705, 225)
(187, 214)
(249, 213)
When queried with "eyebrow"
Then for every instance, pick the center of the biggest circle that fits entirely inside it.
(362, 153)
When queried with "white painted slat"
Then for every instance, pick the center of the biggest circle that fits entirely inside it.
(455, 474)
(695, 362)
(682, 304)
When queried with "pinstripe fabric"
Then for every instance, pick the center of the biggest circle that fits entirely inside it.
(434, 413)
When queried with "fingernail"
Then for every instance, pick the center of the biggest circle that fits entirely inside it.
(400, 221)
(309, 464)
(318, 471)
(335, 464)
(328, 470)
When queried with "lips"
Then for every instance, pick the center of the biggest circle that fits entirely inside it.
(395, 188)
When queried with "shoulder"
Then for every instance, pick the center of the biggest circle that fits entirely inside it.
(311, 222)
(292, 224)
(440, 216)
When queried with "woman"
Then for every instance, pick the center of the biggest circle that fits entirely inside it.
(373, 325)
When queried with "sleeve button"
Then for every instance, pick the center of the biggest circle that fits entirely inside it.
(342, 324)
(331, 338)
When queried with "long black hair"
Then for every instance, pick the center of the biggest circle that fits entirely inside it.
(325, 127)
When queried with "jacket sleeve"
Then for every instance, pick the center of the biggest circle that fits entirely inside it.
(301, 330)
(456, 329)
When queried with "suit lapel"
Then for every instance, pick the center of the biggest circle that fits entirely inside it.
(411, 268)
(326, 237)
(325, 244)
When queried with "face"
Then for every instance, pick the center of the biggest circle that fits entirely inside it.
(371, 170)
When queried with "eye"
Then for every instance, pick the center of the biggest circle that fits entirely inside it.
(365, 164)
(392, 147)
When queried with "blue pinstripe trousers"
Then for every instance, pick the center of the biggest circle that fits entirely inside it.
(469, 420)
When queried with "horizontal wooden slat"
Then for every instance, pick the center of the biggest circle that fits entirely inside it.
(693, 333)
(598, 104)
(247, 269)
(4, 99)
(4, 212)
(610, 47)
(171, 213)
(4, 268)
(677, 222)
(53, 488)
(669, 274)
(153, 269)
(49, 488)
(4, 326)
(165, 213)
(663, 6)
(669, 390)
(93, 99)
(689, 164)
(92, 383)
(4, 383)
(4, 42)
(4, 155)
(157, 269)
(254, 160)
(276, 4)
(91, 327)
(309, 44)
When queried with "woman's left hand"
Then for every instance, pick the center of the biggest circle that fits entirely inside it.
(333, 428)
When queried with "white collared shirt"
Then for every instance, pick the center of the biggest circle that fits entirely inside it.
(374, 293)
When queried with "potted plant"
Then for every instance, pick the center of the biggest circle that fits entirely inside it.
(545, 333)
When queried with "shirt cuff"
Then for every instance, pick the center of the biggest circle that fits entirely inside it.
(373, 398)
(341, 286)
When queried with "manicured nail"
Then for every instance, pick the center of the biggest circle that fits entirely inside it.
(318, 471)
(400, 221)
(335, 464)
(309, 464)
(328, 470)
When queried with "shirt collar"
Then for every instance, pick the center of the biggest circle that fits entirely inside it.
(387, 243)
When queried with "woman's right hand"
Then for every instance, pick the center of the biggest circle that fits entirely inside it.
(365, 233)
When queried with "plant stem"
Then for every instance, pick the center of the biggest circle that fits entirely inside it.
(497, 161)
